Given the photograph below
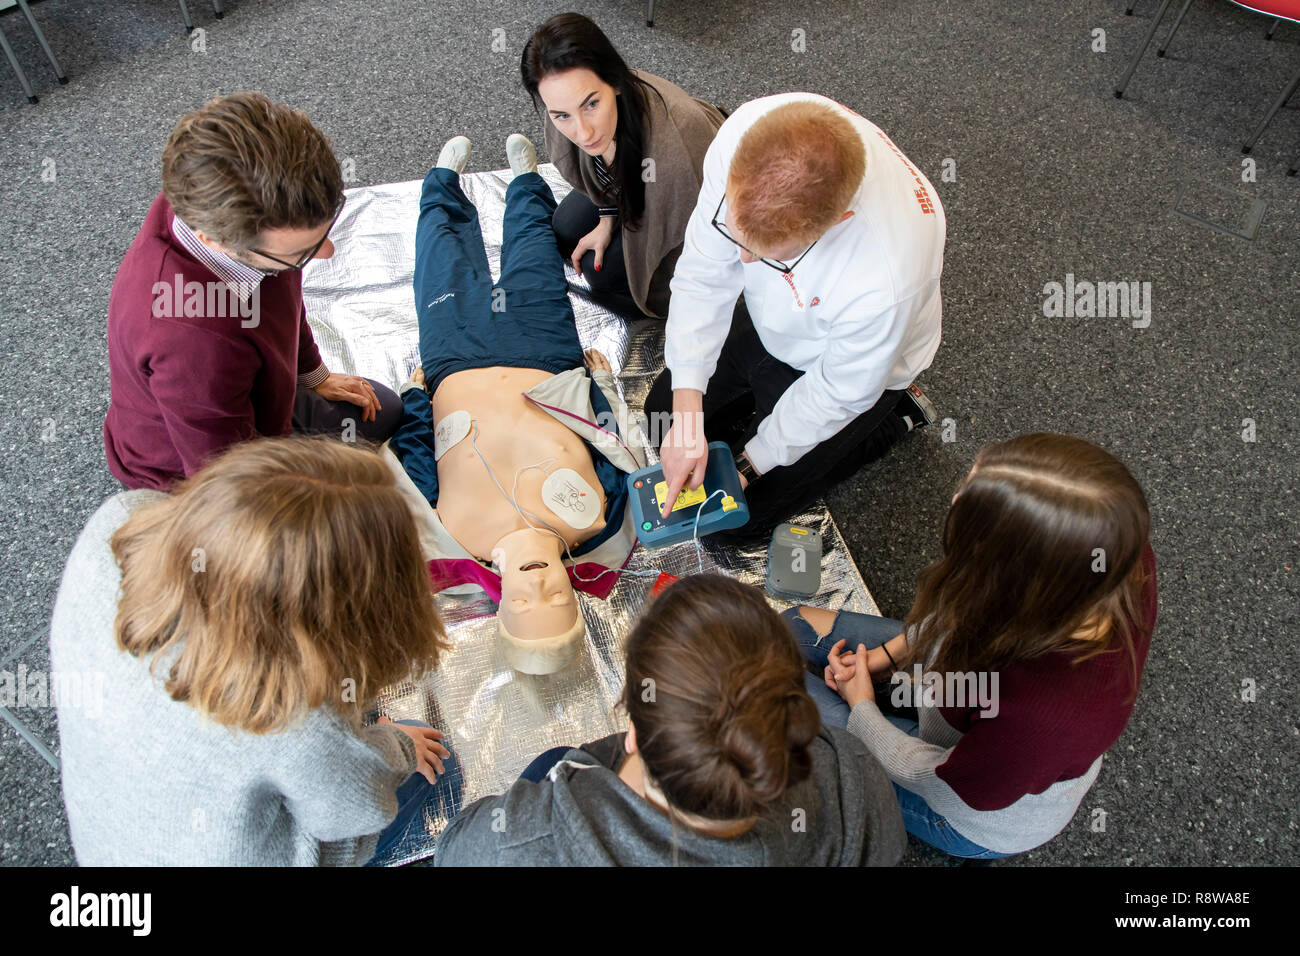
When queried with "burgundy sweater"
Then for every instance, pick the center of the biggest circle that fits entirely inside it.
(186, 387)
(1012, 781)
(1055, 718)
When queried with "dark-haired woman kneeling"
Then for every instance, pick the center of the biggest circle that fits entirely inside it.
(632, 145)
(725, 760)
(1029, 634)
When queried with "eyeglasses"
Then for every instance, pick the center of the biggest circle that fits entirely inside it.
(310, 255)
(776, 264)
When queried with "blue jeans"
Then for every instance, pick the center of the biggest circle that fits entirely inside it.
(417, 795)
(526, 319)
(871, 631)
(856, 630)
(929, 827)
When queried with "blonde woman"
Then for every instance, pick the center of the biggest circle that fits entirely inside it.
(241, 627)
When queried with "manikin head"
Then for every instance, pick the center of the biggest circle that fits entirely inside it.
(540, 622)
(793, 176)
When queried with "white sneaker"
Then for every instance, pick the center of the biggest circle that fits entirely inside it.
(455, 154)
(521, 153)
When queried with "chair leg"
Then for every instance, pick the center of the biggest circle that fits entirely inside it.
(45, 45)
(185, 15)
(1177, 22)
(1295, 166)
(1271, 27)
(1133, 65)
(17, 68)
(1281, 101)
(650, 13)
(1129, 11)
(216, 7)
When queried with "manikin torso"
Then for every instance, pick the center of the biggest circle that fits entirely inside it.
(512, 433)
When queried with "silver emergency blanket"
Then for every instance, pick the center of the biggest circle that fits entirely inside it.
(362, 310)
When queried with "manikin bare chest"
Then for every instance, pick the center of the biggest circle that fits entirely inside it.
(512, 433)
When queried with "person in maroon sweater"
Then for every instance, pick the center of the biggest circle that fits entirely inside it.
(1021, 657)
(208, 341)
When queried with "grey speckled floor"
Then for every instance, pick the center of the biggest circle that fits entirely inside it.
(1054, 176)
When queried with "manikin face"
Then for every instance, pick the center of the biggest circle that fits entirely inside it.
(583, 107)
(537, 599)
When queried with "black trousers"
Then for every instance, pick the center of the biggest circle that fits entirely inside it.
(743, 391)
(574, 218)
(314, 414)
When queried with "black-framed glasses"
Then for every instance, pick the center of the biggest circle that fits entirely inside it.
(303, 260)
(776, 264)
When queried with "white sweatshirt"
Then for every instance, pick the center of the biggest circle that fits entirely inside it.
(859, 315)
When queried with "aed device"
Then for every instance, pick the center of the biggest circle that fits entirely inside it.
(794, 562)
(649, 490)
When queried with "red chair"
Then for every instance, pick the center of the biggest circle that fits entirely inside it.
(1278, 9)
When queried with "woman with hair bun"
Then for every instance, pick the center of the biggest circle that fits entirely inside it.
(725, 760)
(1029, 635)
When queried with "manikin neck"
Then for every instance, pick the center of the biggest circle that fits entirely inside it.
(527, 544)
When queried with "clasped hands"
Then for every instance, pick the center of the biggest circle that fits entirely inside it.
(851, 674)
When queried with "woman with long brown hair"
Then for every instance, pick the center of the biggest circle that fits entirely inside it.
(242, 627)
(1022, 654)
(632, 144)
(725, 760)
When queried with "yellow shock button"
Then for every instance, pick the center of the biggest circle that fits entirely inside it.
(685, 498)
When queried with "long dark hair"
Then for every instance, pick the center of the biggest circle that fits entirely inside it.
(715, 689)
(1042, 552)
(570, 41)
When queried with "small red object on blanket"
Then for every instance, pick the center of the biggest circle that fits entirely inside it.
(661, 582)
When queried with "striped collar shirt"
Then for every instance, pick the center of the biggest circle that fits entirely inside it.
(242, 278)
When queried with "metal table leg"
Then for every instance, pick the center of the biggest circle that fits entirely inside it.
(1177, 21)
(1155, 22)
(17, 67)
(40, 37)
(1281, 101)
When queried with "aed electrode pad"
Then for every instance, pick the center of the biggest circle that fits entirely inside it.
(449, 432)
(567, 495)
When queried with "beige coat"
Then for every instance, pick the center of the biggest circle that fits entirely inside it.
(679, 136)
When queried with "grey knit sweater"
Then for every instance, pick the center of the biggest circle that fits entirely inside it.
(149, 781)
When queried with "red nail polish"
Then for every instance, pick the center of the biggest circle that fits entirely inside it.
(597, 268)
